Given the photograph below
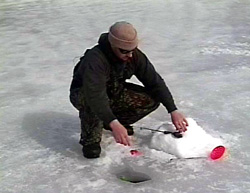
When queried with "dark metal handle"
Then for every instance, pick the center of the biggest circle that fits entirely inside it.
(176, 134)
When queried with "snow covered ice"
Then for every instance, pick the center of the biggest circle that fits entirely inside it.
(201, 49)
(195, 142)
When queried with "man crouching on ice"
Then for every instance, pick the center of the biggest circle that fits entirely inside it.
(103, 98)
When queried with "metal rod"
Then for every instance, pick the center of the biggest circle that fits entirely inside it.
(175, 134)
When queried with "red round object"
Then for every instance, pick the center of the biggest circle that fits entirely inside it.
(135, 153)
(217, 152)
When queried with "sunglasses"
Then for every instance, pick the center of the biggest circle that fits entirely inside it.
(126, 51)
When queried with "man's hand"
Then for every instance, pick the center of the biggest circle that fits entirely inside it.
(179, 121)
(120, 133)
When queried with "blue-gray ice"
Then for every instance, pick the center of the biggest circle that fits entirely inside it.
(201, 49)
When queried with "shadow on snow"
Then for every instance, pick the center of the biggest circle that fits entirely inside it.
(57, 131)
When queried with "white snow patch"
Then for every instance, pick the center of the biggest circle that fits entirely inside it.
(194, 143)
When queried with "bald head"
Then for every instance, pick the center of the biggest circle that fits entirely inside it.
(123, 35)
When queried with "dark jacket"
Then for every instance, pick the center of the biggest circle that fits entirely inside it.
(93, 73)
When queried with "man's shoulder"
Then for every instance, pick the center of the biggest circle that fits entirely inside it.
(139, 56)
(94, 53)
(139, 53)
(95, 58)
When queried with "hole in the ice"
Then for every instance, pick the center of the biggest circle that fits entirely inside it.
(133, 176)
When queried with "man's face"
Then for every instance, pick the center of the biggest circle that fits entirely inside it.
(123, 54)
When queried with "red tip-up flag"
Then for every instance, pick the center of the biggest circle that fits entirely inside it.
(135, 153)
(217, 152)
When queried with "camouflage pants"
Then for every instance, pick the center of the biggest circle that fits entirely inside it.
(132, 104)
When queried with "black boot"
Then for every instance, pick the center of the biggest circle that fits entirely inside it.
(91, 151)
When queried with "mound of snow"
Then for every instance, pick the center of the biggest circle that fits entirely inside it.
(194, 143)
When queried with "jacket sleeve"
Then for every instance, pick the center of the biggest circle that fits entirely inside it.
(153, 82)
(94, 89)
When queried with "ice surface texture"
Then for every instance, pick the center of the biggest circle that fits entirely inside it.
(200, 48)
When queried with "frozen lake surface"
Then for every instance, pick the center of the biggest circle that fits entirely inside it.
(201, 49)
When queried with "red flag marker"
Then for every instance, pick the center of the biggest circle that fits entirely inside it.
(217, 152)
(135, 153)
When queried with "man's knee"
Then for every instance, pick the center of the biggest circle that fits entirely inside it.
(138, 97)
